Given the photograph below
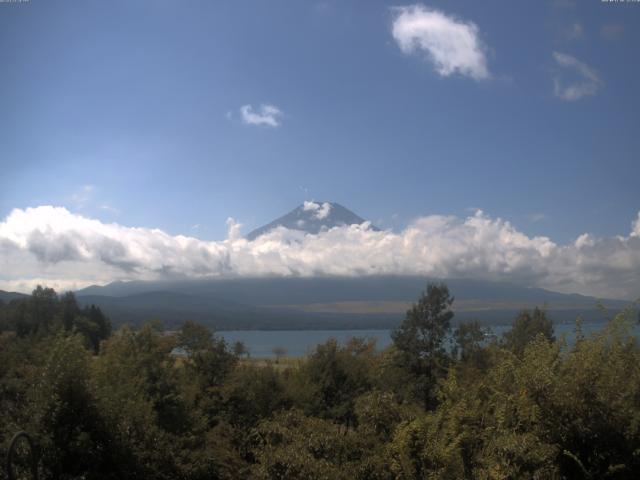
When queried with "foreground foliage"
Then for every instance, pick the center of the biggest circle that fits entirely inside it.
(148, 404)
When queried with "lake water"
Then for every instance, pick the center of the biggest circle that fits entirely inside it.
(298, 343)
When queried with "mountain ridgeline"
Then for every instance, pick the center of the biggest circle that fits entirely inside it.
(323, 302)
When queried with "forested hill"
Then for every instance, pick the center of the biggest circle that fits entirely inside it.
(8, 296)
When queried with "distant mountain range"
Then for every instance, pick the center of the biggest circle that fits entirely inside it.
(324, 302)
(8, 296)
(312, 217)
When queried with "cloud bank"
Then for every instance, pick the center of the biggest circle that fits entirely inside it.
(452, 45)
(587, 82)
(53, 246)
(265, 115)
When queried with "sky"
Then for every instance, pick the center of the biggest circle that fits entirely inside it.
(132, 131)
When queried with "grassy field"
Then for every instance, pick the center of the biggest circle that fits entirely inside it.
(281, 364)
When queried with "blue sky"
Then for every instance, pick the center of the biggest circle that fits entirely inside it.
(131, 112)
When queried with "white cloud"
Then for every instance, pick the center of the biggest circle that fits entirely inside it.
(321, 210)
(451, 44)
(234, 229)
(635, 227)
(586, 83)
(267, 115)
(56, 247)
(308, 206)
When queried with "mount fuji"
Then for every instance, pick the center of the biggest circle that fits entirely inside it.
(312, 217)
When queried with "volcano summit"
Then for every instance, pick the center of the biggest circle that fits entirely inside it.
(312, 217)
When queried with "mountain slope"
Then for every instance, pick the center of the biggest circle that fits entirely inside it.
(8, 296)
(312, 217)
(306, 290)
(174, 308)
(324, 302)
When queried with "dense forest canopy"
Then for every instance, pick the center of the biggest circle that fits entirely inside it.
(112, 405)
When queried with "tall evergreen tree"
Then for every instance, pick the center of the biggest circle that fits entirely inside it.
(420, 339)
(526, 327)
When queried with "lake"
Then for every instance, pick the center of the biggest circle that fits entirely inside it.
(298, 343)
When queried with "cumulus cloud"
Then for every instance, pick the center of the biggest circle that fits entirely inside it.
(451, 44)
(321, 211)
(635, 227)
(266, 115)
(586, 81)
(56, 247)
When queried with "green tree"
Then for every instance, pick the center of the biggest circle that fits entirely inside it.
(293, 446)
(207, 355)
(279, 352)
(35, 315)
(65, 418)
(45, 313)
(68, 310)
(4, 324)
(100, 328)
(526, 327)
(194, 337)
(240, 349)
(420, 339)
(470, 342)
(43, 306)
(379, 413)
(253, 394)
(329, 382)
(139, 391)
